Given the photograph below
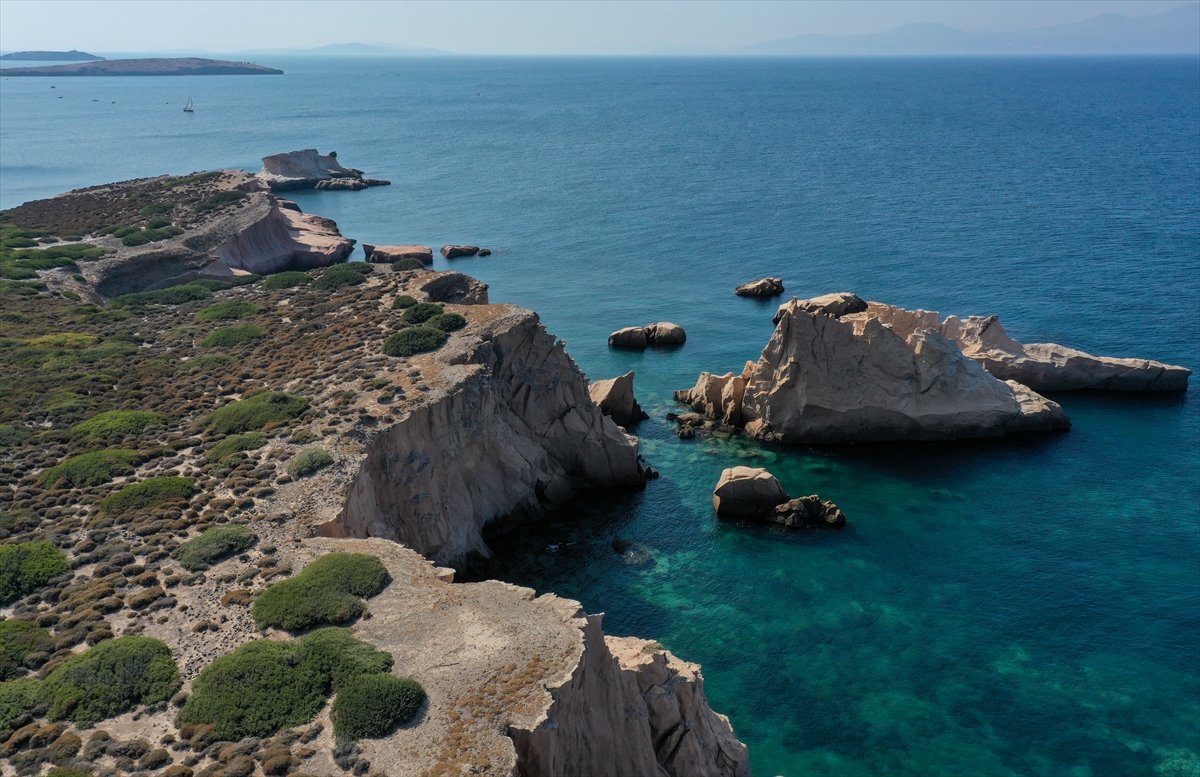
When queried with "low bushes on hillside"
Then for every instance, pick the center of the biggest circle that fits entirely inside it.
(233, 335)
(230, 310)
(19, 640)
(308, 462)
(327, 591)
(114, 422)
(373, 705)
(422, 312)
(16, 698)
(26, 566)
(447, 322)
(256, 412)
(209, 361)
(249, 441)
(266, 685)
(403, 302)
(148, 493)
(90, 469)
(415, 340)
(175, 295)
(287, 280)
(408, 263)
(339, 275)
(213, 545)
(111, 678)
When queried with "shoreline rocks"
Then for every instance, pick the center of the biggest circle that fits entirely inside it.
(754, 493)
(719, 396)
(453, 251)
(660, 335)
(763, 287)
(389, 254)
(615, 399)
(308, 169)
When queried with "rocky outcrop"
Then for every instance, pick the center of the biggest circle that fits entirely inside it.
(652, 335)
(746, 492)
(615, 399)
(629, 708)
(453, 252)
(763, 287)
(1040, 366)
(824, 380)
(511, 432)
(285, 239)
(836, 305)
(719, 396)
(808, 511)
(456, 288)
(308, 169)
(389, 254)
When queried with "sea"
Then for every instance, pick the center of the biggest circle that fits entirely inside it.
(1018, 606)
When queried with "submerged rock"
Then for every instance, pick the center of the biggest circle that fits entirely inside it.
(308, 169)
(389, 254)
(453, 252)
(763, 287)
(661, 334)
(745, 492)
(616, 400)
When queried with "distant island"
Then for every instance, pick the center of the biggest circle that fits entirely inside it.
(174, 66)
(53, 56)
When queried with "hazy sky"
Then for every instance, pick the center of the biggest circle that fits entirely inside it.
(507, 26)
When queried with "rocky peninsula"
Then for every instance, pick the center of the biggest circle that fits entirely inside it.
(176, 450)
(151, 66)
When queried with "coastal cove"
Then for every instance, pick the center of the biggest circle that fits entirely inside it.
(1024, 605)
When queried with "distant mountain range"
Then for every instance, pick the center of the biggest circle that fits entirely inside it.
(1174, 32)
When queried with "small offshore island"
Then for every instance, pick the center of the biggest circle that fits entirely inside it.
(152, 66)
(52, 56)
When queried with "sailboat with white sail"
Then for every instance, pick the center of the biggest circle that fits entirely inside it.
(188, 108)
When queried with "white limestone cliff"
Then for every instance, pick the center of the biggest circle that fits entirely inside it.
(308, 169)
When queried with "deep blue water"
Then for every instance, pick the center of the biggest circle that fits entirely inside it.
(1021, 606)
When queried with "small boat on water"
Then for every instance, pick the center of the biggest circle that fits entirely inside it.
(188, 108)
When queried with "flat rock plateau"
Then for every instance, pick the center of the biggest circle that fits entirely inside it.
(420, 451)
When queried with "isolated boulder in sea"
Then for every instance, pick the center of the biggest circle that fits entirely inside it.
(389, 254)
(616, 400)
(455, 288)
(1040, 366)
(825, 380)
(308, 169)
(808, 511)
(836, 305)
(629, 337)
(485, 252)
(453, 252)
(718, 396)
(665, 333)
(745, 492)
(763, 287)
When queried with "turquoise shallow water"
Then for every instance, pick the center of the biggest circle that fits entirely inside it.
(1023, 606)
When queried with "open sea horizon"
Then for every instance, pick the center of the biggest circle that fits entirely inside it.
(1019, 606)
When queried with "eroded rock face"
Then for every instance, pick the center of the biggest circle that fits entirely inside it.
(1040, 366)
(514, 432)
(763, 287)
(837, 305)
(616, 400)
(389, 254)
(719, 396)
(824, 380)
(308, 169)
(456, 288)
(286, 239)
(629, 711)
(747, 492)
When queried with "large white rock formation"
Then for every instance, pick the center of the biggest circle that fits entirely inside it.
(308, 169)
(615, 399)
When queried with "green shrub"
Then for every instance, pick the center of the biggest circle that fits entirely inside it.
(415, 340)
(373, 705)
(186, 179)
(326, 592)
(286, 280)
(340, 275)
(218, 199)
(112, 422)
(256, 412)
(212, 546)
(233, 309)
(409, 263)
(422, 312)
(233, 335)
(155, 208)
(67, 771)
(308, 462)
(266, 685)
(123, 231)
(148, 493)
(18, 697)
(403, 302)
(90, 469)
(176, 295)
(111, 678)
(12, 436)
(145, 236)
(207, 362)
(18, 639)
(447, 322)
(26, 566)
(158, 223)
(250, 441)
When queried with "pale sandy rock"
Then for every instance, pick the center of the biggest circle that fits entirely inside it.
(718, 396)
(308, 169)
(1040, 366)
(615, 399)
(627, 710)
(763, 287)
(665, 333)
(629, 337)
(808, 511)
(513, 432)
(286, 239)
(824, 380)
(837, 305)
(455, 288)
(455, 251)
(746, 492)
(388, 254)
